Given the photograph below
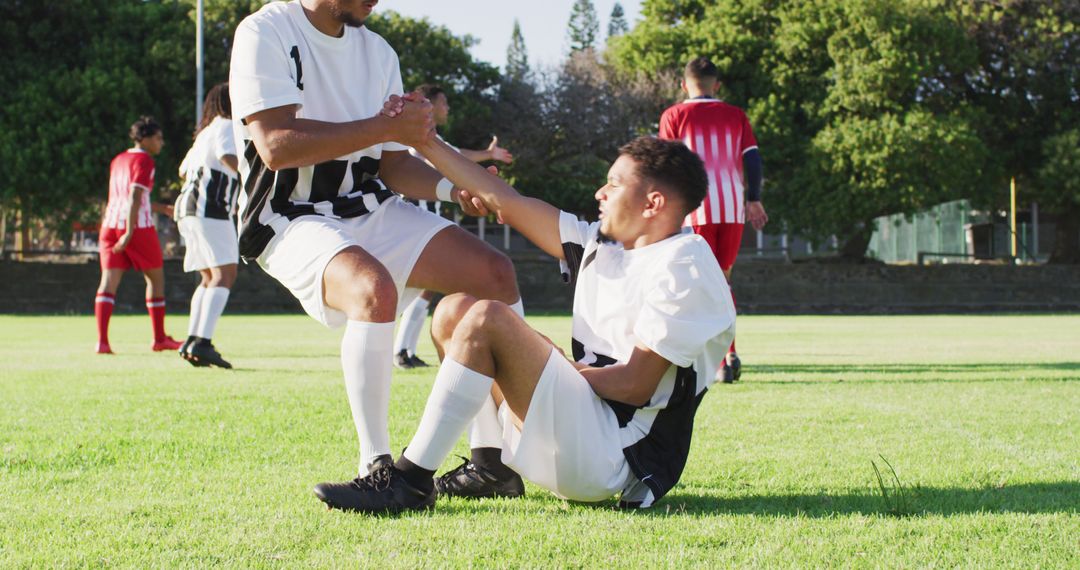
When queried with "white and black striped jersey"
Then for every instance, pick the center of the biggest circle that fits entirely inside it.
(210, 186)
(670, 296)
(280, 59)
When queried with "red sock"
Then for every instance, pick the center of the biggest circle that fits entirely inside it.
(732, 348)
(156, 308)
(103, 308)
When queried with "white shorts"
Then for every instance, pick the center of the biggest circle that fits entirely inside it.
(208, 243)
(395, 234)
(569, 443)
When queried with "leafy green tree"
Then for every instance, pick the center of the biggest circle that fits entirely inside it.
(517, 58)
(617, 25)
(584, 26)
(432, 54)
(1028, 81)
(857, 104)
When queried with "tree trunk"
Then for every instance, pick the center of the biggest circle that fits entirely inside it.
(22, 235)
(1067, 237)
(856, 242)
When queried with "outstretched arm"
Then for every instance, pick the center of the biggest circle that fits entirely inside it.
(535, 219)
(492, 152)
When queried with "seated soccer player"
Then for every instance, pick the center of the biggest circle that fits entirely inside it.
(652, 320)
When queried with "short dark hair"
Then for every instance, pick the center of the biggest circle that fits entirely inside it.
(145, 127)
(672, 165)
(701, 69)
(430, 90)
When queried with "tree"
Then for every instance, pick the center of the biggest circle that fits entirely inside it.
(566, 127)
(617, 25)
(432, 54)
(584, 26)
(78, 74)
(1028, 81)
(517, 59)
(857, 105)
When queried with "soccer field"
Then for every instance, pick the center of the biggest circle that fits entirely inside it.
(139, 460)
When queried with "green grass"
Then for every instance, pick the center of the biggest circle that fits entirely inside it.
(138, 460)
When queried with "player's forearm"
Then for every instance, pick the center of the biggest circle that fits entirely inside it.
(464, 173)
(753, 169)
(294, 142)
(537, 220)
(475, 155)
(409, 176)
(615, 383)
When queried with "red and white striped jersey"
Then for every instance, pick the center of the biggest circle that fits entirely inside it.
(720, 134)
(131, 167)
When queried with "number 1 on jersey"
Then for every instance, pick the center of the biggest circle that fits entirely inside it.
(295, 54)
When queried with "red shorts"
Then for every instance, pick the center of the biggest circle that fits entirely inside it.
(142, 253)
(724, 239)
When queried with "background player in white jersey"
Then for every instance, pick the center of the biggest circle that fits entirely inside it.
(652, 320)
(412, 319)
(205, 213)
(721, 135)
(128, 238)
(320, 167)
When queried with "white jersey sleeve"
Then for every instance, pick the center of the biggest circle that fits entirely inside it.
(689, 305)
(575, 236)
(224, 142)
(262, 75)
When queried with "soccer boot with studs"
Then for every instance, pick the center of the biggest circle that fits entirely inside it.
(382, 491)
(474, 481)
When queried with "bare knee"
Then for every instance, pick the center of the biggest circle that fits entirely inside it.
(502, 279)
(223, 276)
(482, 322)
(448, 313)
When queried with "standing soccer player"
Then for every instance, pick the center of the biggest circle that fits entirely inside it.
(204, 214)
(721, 135)
(320, 166)
(128, 238)
(412, 319)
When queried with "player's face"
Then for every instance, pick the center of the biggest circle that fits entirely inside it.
(440, 109)
(154, 144)
(622, 201)
(352, 13)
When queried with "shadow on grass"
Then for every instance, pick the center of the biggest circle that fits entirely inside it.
(1062, 371)
(1060, 497)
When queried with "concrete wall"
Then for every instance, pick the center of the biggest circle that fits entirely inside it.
(760, 288)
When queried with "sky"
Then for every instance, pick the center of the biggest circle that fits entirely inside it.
(543, 23)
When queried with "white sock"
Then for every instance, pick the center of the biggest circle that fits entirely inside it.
(366, 359)
(213, 304)
(485, 430)
(411, 323)
(456, 397)
(196, 310)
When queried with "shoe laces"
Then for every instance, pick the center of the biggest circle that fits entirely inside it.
(467, 468)
(378, 480)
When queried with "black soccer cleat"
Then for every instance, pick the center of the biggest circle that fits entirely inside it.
(402, 361)
(383, 491)
(415, 361)
(203, 353)
(732, 368)
(185, 352)
(473, 481)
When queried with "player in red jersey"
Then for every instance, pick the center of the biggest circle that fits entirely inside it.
(721, 135)
(128, 239)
